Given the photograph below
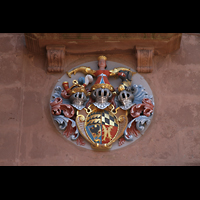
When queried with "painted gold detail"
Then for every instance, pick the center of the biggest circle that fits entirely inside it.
(83, 69)
(102, 85)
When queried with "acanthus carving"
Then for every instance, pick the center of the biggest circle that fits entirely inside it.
(55, 56)
(146, 107)
(57, 107)
(144, 59)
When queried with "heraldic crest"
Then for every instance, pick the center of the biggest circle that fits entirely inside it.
(102, 114)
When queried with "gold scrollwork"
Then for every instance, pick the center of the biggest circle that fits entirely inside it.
(121, 118)
(82, 118)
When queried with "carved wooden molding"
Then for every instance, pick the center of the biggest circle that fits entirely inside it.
(144, 59)
(55, 56)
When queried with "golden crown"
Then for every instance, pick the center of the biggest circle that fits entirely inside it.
(102, 57)
(79, 88)
(102, 85)
(75, 88)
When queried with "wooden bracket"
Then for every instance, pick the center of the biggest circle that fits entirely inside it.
(144, 59)
(56, 57)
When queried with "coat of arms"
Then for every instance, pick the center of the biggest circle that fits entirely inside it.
(102, 114)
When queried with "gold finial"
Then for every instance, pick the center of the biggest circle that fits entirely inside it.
(102, 57)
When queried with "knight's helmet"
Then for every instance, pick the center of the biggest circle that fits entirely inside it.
(101, 95)
(126, 99)
(101, 91)
(125, 96)
(77, 92)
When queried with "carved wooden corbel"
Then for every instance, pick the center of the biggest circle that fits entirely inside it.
(144, 59)
(55, 56)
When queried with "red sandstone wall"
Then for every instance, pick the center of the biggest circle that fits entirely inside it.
(28, 136)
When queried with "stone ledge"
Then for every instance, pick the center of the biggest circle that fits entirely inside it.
(79, 43)
(145, 45)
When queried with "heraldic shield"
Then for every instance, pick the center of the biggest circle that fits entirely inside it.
(101, 127)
